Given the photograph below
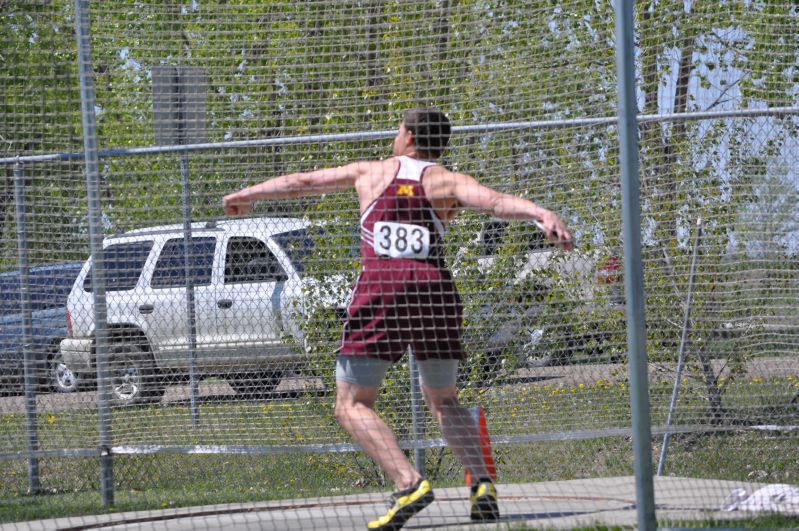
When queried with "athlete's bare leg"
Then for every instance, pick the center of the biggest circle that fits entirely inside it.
(457, 426)
(356, 414)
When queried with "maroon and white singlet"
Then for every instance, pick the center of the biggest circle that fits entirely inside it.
(404, 295)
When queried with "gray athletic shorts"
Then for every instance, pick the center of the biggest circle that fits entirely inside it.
(369, 372)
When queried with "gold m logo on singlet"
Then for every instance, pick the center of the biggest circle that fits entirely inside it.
(405, 190)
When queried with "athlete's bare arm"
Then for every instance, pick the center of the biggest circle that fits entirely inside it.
(443, 184)
(316, 182)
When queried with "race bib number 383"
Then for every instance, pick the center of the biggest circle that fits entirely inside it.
(401, 240)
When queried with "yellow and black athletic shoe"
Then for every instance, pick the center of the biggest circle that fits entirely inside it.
(484, 502)
(402, 505)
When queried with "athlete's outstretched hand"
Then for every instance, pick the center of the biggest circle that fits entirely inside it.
(555, 230)
(234, 205)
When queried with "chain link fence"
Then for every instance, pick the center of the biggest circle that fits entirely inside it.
(218, 335)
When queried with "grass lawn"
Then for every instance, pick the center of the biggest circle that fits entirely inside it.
(160, 480)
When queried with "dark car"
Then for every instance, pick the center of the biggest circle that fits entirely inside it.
(537, 307)
(49, 287)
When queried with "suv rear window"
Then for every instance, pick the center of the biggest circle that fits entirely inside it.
(300, 245)
(250, 260)
(123, 265)
(170, 270)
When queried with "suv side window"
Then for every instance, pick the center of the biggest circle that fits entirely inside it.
(493, 235)
(123, 265)
(537, 241)
(170, 268)
(250, 260)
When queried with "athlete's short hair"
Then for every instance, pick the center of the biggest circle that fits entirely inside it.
(431, 130)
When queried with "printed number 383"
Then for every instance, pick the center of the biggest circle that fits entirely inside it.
(401, 240)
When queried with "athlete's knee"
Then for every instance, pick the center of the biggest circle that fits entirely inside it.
(440, 399)
(342, 411)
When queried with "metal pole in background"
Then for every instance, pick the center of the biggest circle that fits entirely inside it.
(31, 435)
(179, 118)
(417, 414)
(96, 244)
(633, 265)
(683, 340)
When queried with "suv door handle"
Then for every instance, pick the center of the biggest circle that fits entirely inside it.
(224, 303)
(146, 308)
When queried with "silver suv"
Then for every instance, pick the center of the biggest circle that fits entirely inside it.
(250, 297)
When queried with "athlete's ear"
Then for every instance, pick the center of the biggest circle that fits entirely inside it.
(409, 141)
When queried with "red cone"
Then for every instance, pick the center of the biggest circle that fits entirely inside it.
(485, 444)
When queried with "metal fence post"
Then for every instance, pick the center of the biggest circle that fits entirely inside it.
(417, 414)
(34, 484)
(633, 265)
(83, 35)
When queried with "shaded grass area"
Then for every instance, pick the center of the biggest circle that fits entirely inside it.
(151, 482)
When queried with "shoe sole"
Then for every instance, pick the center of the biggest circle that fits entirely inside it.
(403, 515)
(485, 510)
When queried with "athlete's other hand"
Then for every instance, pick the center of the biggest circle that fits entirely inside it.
(555, 230)
(235, 205)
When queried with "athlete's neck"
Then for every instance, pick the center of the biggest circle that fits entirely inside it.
(416, 156)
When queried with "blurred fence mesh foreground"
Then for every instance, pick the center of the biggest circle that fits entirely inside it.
(221, 333)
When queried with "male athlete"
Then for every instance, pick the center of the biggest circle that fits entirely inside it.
(405, 296)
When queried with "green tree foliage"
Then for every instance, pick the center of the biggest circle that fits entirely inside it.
(698, 56)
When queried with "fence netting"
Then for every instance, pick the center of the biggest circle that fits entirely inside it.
(222, 331)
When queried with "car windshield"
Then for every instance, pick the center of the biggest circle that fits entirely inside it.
(302, 247)
(48, 288)
(9, 294)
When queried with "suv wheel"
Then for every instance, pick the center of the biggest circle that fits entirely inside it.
(62, 379)
(132, 376)
(484, 370)
(255, 385)
(542, 351)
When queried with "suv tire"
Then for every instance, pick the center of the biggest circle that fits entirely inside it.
(133, 377)
(61, 378)
(540, 351)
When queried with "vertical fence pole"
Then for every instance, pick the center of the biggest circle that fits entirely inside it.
(96, 244)
(417, 414)
(686, 323)
(633, 265)
(29, 361)
(191, 319)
